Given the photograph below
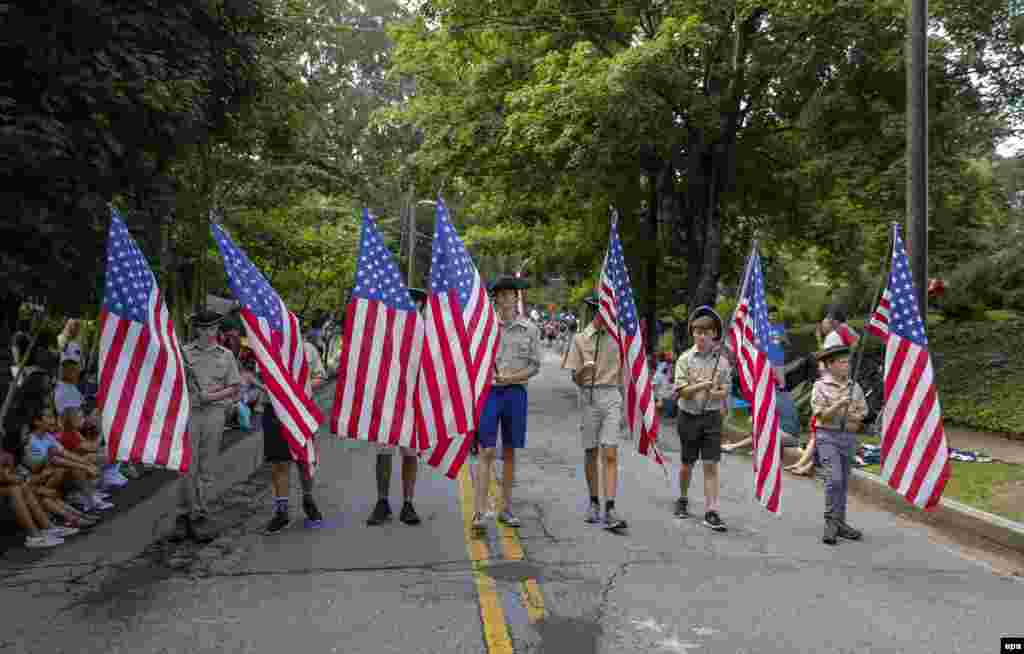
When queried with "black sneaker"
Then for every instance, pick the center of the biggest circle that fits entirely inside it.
(311, 509)
(846, 531)
(182, 529)
(381, 513)
(278, 523)
(408, 515)
(712, 520)
(681, 509)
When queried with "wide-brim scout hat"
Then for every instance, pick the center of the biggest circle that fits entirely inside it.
(206, 319)
(705, 312)
(508, 283)
(418, 294)
(829, 353)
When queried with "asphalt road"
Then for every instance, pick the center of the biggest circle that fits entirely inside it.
(767, 585)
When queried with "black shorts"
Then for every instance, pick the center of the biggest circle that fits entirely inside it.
(275, 447)
(700, 437)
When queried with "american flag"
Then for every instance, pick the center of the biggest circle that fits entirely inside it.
(275, 337)
(380, 355)
(617, 310)
(879, 323)
(748, 338)
(143, 392)
(915, 455)
(461, 343)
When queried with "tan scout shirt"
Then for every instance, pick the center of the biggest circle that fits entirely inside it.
(827, 391)
(213, 368)
(519, 348)
(608, 364)
(695, 367)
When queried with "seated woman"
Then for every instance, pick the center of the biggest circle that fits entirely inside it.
(28, 512)
(789, 429)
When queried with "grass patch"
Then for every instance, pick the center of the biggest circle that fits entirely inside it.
(978, 485)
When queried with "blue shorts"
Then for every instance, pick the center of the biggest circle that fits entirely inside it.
(505, 405)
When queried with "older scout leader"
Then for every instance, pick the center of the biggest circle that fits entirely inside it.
(214, 382)
(517, 361)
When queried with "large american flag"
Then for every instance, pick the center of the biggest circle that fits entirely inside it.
(617, 310)
(143, 393)
(461, 329)
(748, 338)
(275, 337)
(915, 455)
(380, 355)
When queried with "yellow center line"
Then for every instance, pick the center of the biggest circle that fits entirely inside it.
(512, 549)
(492, 615)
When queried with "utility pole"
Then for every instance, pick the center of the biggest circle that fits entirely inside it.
(917, 147)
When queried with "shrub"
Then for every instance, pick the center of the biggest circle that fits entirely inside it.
(972, 287)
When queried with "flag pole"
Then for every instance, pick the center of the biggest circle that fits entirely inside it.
(863, 340)
(732, 319)
(22, 361)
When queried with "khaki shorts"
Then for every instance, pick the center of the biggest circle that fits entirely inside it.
(601, 420)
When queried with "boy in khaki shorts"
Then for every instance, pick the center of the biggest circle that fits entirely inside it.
(596, 367)
(702, 379)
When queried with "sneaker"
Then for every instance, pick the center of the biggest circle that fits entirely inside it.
(712, 520)
(479, 525)
(278, 523)
(507, 518)
(381, 513)
(99, 504)
(111, 479)
(681, 508)
(41, 541)
(408, 514)
(593, 514)
(129, 470)
(846, 531)
(60, 532)
(311, 509)
(612, 520)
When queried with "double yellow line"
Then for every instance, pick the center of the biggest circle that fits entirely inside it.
(492, 615)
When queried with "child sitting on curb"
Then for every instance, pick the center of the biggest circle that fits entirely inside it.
(28, 512)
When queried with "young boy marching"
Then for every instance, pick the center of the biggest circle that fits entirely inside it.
(596, 368)
(702, 380)
(833, 405)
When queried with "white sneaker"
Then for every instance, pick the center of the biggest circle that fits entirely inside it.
(61, 532)
(100, 504)
(111, 479)
(41, 541)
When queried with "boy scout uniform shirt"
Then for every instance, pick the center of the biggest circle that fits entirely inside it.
(608, 366)
(519, 348)
(827, 391)
(214, 368)
(695, 367)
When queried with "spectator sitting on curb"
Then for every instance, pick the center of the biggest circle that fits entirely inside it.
(28, 512)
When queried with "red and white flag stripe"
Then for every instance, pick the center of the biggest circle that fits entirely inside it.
(879, 323)
(380, 365)
(915, 455)
(143, 396)
(285, 373)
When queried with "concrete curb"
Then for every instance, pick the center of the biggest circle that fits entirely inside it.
(949, 514)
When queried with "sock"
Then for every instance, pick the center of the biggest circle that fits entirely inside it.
(594, 499)
(280, 505)
(609, 505)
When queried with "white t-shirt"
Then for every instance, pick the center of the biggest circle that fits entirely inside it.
(66, 395)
